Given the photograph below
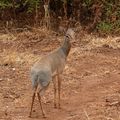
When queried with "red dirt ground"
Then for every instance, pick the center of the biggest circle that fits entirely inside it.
(90, 86)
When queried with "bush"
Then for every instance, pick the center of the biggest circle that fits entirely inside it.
(102, 15)
(104, 27)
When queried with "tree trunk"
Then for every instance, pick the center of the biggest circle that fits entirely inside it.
(65, 9)
(14, 19)
(13, 2)
(47, 14)
(36, 15)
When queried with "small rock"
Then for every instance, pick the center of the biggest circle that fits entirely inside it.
(107, 72)
(6, 64)
(13, 69)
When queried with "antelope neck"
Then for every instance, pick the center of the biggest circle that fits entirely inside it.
(66, 45)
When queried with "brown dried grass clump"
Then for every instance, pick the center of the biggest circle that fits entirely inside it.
(95, 42)
(7, 37)
(13, 57)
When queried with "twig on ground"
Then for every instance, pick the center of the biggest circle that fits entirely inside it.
(109, 118)
(88, 118)
(114, 103)
(71, 117)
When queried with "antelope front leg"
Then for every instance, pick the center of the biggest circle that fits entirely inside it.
(54, 85)
(59, 89)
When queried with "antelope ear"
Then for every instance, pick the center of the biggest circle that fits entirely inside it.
(62, 30)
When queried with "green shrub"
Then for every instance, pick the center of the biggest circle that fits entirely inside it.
(104, 27)
(5, 4)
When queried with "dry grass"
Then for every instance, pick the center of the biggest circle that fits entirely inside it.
(36, 35)
(94, 42)
(13, 57)
(7, 37)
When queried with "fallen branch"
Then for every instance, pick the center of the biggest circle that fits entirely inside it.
(88, 118)
(114, 103)
(71, 117)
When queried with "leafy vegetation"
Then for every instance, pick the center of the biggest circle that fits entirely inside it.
(97, 15)
(5, 4)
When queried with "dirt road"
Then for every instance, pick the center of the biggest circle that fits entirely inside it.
(90, 86)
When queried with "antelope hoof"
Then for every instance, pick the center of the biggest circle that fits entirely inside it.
(44, 116)
(29, 116)
(59, 107)
(55, 106)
